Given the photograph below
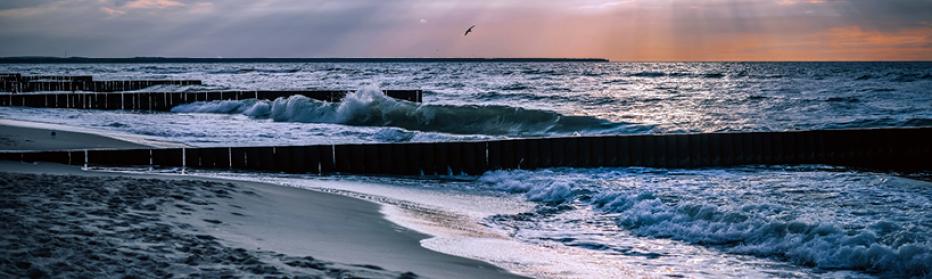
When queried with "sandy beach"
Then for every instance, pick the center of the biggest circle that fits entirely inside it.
(17, 135)
(22, 135)
(66, 222)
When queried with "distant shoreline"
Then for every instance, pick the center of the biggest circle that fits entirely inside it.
(82, 60)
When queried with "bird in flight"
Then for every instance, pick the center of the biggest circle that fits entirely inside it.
(468, 31)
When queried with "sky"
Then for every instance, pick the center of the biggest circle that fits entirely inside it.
(622, 30)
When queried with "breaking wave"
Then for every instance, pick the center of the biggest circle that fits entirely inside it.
(760, 229)
(370, 107)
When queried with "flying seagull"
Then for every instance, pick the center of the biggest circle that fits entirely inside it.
(468, 31)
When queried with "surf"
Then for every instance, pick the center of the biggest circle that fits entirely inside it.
(370, 107)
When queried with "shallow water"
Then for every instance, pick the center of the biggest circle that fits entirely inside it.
(802, 221)
(817, 217)
(798, 222)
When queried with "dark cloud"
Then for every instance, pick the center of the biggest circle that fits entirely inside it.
(287, 28)
(887, 15)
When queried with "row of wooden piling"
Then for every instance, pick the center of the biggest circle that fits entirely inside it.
(164, 101)
(17, 83)
(88, 86)
(22, 78)
(882, 149)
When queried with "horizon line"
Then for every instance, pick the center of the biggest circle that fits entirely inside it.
(157, 59)
(162, 59)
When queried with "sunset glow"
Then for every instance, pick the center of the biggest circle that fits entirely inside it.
(618, 30)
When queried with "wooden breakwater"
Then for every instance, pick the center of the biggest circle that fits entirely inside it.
(908, 149)
(164, 101)
(22, 83)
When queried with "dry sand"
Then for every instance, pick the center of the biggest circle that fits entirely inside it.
(61, 221)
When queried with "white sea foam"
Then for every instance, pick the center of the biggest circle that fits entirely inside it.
(370, 107)
(453, 215)
(757, 226)
(217, 106)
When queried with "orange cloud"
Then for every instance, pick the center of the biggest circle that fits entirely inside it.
(152, 4)
(111, 11)
(855, 37)
(851, 43)
(147, 5)
(794, 2)
(857, 43)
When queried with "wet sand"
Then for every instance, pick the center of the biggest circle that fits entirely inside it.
(62, 221)
(19, 135)
(65, 221)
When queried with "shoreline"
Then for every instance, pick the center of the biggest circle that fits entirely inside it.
(290, 223)
(284, 230)
(20, 135)
(454, 222)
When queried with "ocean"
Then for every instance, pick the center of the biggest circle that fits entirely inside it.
(750, 221)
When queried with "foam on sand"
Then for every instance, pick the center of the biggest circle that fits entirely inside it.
(455, 221)
(762, 220)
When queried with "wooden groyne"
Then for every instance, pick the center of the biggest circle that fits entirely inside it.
(164, 101)
(22, 78)
(88, 86)
(20, 83)
(907, 149)
(85, 93)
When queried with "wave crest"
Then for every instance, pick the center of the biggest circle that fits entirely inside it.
(370, 107)
(750, 229)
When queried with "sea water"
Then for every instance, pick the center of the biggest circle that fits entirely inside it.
(480, 100)
(781, 221)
